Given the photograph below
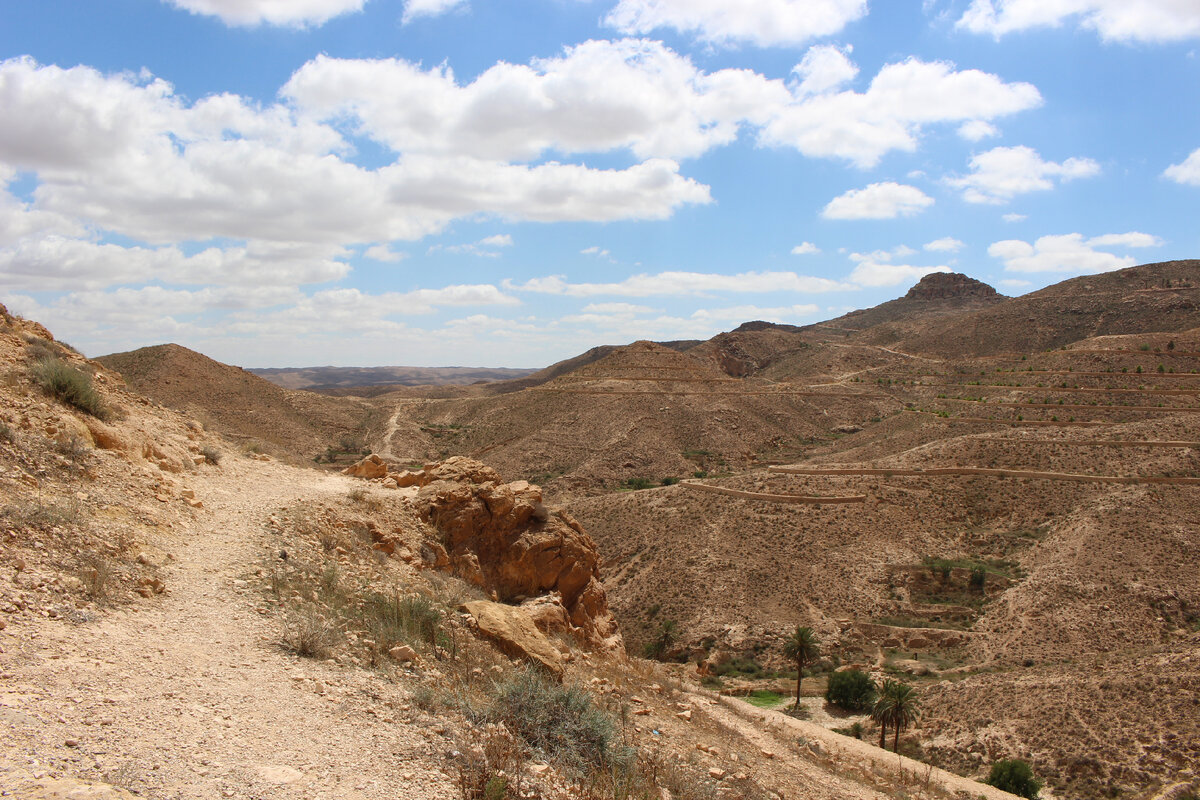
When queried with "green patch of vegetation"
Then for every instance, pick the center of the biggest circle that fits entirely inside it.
(69, 385)
(852, 690)
(764, 698)
(561, 722)
(662, 642)
(1015, 776)
(854, 731)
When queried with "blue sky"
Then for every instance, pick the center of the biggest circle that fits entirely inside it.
(470, 182)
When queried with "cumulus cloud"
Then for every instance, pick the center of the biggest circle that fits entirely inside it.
(1070, 252)
(785, 314)
(641, 95)
(428, 8)
(1114, 20)
(805, 249)
(890, 114)
(977, 130)
(1002, 173)
(293, 13)
(1014, 217)
(681, 283)
(760, 22)
(1187, 171)
(486, 247)
(58, 263)
(877, 268)
(946, 244)
(127, 155)
(823, 69)
(385, 254)
(886, 200)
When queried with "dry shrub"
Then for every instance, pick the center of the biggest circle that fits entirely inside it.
(309, 634)
(68, 385)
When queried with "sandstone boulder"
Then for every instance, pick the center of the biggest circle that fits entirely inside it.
(370, 467)
(501, 538)
(514, 632)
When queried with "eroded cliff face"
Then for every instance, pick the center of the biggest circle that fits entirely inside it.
(500, 537)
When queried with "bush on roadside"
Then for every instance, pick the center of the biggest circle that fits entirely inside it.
(562, 722)
(68, 385)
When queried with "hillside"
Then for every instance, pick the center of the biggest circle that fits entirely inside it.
(242, 405)
(1142, 299)
(346, 647)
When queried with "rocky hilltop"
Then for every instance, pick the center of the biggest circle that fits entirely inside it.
(949, 285)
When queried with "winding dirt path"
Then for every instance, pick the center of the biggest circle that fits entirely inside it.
(187, 695)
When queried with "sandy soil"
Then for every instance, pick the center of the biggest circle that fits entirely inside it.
(188, 695)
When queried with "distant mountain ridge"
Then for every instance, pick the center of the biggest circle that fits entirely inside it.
(320, 379)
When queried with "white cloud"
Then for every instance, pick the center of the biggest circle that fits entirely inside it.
(1069, 252)
(624, 309)
(976, 130)
(294, 13)
(761, 22)
(58, 263)
(1115, 20)
(1014, 217)
(128, 156)
(680, 284)
(428, 8)
(1187, 171)
(1133, 239)
(876, 268)
(823, 69)
(485, 247)
(1002, 173)
(805, 249)
(886, 200)
(385, 254)
(744, 313)
(874, 274)
(946, 244)
(641, 95)
(903, 97)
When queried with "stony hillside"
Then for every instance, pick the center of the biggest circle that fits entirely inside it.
(181, 618)
(242, 405)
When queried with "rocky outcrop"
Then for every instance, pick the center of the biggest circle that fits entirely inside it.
(944, 285)
(515, 633)
(500, 537)
(370, 468)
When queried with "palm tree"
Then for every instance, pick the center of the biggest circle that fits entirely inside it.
(802, 647)
(904, 711)
(896, 706)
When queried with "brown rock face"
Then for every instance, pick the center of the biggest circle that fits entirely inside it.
(500, 537)
(943, 285)
(370, 467)
(514, 631)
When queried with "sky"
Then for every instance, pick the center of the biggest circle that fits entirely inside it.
(282, 183)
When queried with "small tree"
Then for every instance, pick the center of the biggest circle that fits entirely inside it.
(802, 647)
(1015, 776)
(896, 707)
(657, 647)
(852, 690)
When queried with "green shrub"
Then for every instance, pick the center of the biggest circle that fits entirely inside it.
(70, 386)
(657, 647)
(637, 483)
(561, 722)
(852, 690)
(1015, 776)
(670, 481)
